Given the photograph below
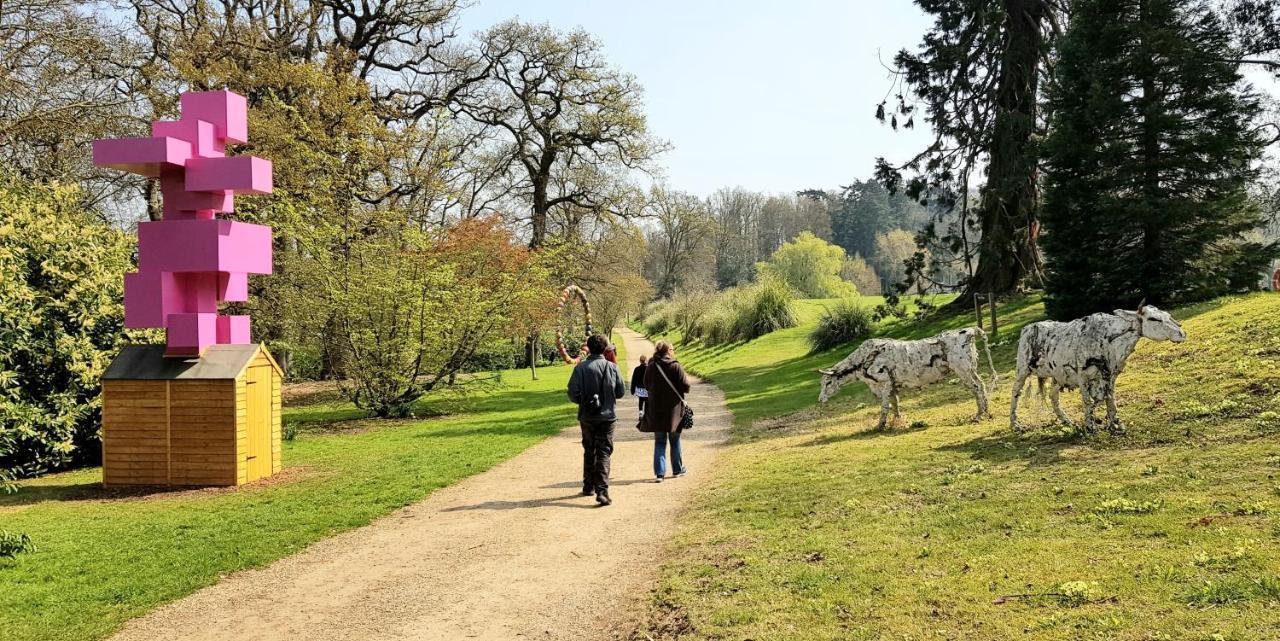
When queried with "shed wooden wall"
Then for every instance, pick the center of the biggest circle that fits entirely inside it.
(202, 432)
(135, 433)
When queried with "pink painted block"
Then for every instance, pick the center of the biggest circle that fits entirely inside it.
(180, 203)
(240, 174)
(228, 112)
(145, 156)
(204, 246)
(233, 287)
(190, 261)
(233, 330)
(190, 334)
(149, 298)
(202, 135)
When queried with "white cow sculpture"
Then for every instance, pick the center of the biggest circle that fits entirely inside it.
(1087, 353)
(888, 366)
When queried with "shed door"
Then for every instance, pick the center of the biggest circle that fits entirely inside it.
(258, 422)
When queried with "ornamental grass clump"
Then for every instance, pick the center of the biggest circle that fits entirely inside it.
(845, 322)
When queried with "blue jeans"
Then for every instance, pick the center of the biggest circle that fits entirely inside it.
(660, 453)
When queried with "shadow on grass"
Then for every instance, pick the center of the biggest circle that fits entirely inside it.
(1030, 447)
(888, 432)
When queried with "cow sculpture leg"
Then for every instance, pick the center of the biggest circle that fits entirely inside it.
(980, 393)
(1088, 402)
(1018, 381)
(897, 415)
(1055, 395)
(884, 395)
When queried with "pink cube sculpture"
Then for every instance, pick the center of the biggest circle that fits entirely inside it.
(192, 260)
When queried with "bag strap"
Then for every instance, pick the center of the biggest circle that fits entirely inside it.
(670, 384)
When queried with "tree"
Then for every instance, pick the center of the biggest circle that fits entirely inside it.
(59, 68)
(893, 249)
(782, 218)
(858, 271)
(61, 322)
(810, 266)
(1152, 149)
(737, 214)
(864, 209)
(568, 122)
(978, 79)
(681, 242)
(414, 308)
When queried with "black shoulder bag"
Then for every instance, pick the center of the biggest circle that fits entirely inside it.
(686, 416)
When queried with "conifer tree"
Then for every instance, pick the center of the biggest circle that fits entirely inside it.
(1152, 145)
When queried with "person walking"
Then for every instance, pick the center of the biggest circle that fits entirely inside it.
(666, 383)
(637, 384)
(595, 386)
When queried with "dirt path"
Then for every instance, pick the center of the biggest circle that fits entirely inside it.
(513, 553)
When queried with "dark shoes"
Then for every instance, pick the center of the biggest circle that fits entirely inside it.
(602, 497)
(588, 489)
(680, 473)
(657, 479)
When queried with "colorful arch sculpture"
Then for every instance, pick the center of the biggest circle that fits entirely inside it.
(568, 294)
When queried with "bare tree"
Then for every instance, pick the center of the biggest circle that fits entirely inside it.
(570, 122)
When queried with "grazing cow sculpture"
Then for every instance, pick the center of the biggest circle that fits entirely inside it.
(1087, 353)
(888, 366)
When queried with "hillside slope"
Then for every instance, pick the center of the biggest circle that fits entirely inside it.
(814, 527)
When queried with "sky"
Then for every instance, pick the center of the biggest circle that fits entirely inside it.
(771, 96)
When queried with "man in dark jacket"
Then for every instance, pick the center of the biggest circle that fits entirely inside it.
(595, 386)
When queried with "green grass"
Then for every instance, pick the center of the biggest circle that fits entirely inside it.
(105, 557)
(814, 527)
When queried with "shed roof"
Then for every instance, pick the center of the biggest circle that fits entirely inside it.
(148, 363)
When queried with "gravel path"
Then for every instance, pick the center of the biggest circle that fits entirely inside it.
(513, 553)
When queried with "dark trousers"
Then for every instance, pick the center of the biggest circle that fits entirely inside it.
(597, 447)
(643, 401)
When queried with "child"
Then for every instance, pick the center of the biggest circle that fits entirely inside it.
(637, 385)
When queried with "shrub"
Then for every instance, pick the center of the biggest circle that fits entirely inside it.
(61, 321)
(744, 313)
(845, 322)
(13, 544)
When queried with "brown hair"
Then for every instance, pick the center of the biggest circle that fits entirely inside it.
(643, 358)
(662, 348)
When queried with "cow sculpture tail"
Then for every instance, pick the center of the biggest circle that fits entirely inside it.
(986, 347)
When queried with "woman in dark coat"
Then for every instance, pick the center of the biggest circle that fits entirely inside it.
(665, 409)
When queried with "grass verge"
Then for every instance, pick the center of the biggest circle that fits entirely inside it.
(105, 556)
(814, 527)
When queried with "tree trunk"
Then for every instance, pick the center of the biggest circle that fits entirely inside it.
(1007, 253)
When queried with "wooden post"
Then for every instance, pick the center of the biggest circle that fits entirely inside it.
(532, 344)
(977, 308)
(995, 330)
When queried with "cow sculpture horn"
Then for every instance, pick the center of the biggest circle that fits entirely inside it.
(826, 372)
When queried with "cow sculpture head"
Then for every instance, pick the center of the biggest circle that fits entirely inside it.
(1154, 323)
(831, 383)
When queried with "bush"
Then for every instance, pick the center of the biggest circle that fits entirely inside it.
(61, 321)
(13, 544)
(744, 313)
(847, 321)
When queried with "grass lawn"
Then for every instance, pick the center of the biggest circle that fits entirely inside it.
(814, 527)
(105, 557)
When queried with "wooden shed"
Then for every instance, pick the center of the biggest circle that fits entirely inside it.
(212, 420)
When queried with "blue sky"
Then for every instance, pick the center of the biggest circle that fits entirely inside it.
(771, 96)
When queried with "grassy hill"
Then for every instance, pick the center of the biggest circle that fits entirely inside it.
(814, 527)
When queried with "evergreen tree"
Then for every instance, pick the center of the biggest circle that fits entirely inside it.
(1151, 148)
